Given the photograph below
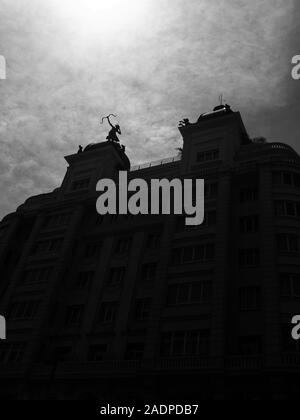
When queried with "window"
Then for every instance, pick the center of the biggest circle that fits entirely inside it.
(74, 314)
(148, 273)
(207, 156)
(276, 178)
(250, 345)
(248, 195)
(186, 343)
(23, 310)
(57, 220)
(51, 245)
(116, 276)
(142, 309)
(289, 285)
(123, 245)
(12, 353)
(3, 231)
(93, 250)
(180, 224)
(279, 208)
(193, 254)
(153, 241)
(210, 220)
(39, 275)
(249, 257)
(249, 299)
(249, 224)
(189, 293)
(287, 208)
(286, 178)
(84, 280)
(134, 351)
(55, 245)
(82, 184)
(97, 352)
(210, 190)
(108, 312)
(288, 243)
(283, 178)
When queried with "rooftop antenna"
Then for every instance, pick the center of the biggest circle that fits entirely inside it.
(221, 99)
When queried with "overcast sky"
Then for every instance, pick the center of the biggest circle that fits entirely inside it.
(152, 63)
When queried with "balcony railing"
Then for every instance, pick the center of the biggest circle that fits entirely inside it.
(234, 364)
(289, 362)
(244, 363)
(156, 163)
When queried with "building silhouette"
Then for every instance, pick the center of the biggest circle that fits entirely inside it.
(145, 308)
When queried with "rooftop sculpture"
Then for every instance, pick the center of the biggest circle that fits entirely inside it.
(112, 135)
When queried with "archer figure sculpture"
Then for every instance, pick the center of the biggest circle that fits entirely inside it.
(112, 135)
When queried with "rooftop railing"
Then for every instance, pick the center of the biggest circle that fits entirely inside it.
(155, 163)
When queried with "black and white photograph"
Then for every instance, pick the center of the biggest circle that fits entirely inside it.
(149, 203)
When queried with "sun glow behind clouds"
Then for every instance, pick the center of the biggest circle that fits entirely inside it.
(103, 17)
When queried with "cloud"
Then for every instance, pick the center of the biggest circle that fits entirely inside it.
(174, 64)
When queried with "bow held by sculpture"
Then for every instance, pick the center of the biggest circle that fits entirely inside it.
(115, 129)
